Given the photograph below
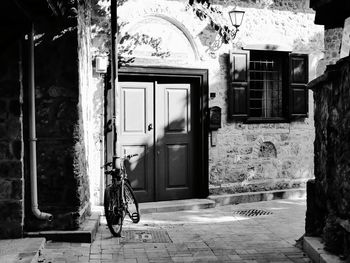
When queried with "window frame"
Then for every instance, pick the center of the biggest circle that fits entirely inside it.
(239, 89)
(284, 56)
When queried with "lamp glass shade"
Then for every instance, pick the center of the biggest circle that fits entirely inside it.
(101, 64)
(236, 17)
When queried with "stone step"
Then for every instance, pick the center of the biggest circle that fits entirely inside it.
(85, 234)
(229, 199)
(176, 205)
(214, 200)
(314, 248)
(169, 206)
(24, 250)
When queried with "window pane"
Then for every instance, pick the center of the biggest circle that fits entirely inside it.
(299, 101)
(298, 70)
(265, 85)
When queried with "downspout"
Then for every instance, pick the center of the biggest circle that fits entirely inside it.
(114, 75)
(32, 134)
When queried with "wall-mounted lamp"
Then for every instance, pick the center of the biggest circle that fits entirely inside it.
(236, 20)
(101, 64)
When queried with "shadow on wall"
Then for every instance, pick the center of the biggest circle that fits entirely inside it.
(242, 162)
(165, 167)
(61, 161)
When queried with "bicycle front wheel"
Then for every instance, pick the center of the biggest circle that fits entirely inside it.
(132, 204)
(113, 212)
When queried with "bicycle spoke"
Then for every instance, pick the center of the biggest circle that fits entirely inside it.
(114, 220)
(132, 205)
(115, 208)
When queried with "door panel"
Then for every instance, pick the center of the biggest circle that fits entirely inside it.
(177, 168)
(176, 114)
(137, 166)
(134, 119)
(174, 141)
(134, 136)
(164, 168)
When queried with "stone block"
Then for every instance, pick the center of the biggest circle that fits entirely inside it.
(4, 150)
(14, 129)
(3, 130)
(11, 211)
(13, 229)
(315, 215)
(251, 137)
(16, 189)
(284, 137)
(3, 107)
(5, 189)
(10, 169)
(16, 149)
(15, 107)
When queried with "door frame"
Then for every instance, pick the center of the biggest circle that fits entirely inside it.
(200, 77)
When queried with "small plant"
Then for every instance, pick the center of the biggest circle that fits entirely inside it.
(205, 11)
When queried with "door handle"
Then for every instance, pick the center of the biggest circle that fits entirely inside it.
(150, 127)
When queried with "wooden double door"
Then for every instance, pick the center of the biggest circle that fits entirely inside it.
(157, 121)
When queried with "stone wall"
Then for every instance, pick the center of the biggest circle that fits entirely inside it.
(329, 199)
(332, 42)
(235, 163)
(258, 157)
(61, 79)
(238, 162)
(82, 161)
(11, 145)
(100, 45)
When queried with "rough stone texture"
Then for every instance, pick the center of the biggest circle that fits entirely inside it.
(62, 168)
(332, 42)
(81, 166)
(345, 41)
(100, 44)
(316, 209)
(234, 163)
(11, 149)
(290, 5)
(332, 162)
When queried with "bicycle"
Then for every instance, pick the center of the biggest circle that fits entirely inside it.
(119, 198)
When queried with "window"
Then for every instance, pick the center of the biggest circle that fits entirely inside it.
(268, 86)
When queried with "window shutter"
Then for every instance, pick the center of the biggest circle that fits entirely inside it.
(239, 88)
(298, 92)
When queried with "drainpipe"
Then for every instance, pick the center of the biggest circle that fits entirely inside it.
(114, 76)
(32, 134)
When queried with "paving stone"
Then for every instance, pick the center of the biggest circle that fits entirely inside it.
(193, 239)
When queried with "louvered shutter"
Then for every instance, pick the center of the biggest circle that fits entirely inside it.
(239, 87)
(298, 92)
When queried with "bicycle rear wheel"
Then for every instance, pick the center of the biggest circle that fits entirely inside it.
(132, 204)
(113, 213)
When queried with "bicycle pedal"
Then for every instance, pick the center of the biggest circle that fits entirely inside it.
(135, 217)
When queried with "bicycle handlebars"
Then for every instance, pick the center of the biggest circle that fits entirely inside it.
(131, 155)
(117, 157)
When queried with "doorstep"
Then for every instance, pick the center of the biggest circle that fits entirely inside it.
(215, 200)
(249, 197)
(176, 205)
(168, 206)
(24, 250)
(313, 247)
(84, 234)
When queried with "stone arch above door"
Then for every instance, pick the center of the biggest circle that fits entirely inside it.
(175, 40)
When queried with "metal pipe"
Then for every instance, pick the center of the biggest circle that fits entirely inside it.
(114, 74)
(32, 134)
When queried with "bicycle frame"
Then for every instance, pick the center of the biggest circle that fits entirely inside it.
(122, 193)
(123, 177)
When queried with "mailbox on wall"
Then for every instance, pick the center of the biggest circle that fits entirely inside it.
(215, 118)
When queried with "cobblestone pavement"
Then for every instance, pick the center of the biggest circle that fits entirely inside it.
(208, 235)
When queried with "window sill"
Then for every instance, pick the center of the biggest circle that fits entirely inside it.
(267, 120)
